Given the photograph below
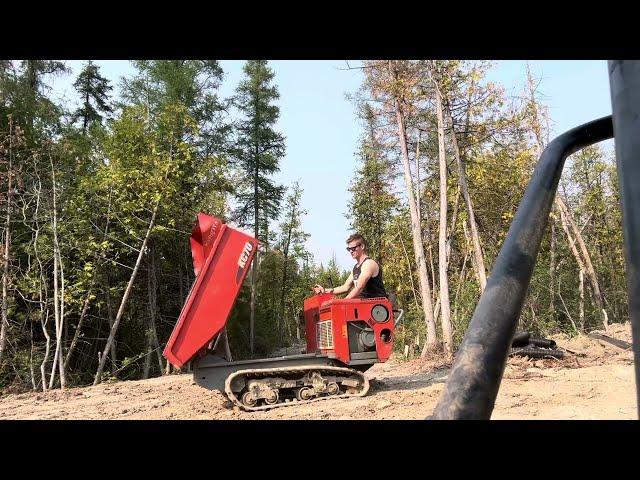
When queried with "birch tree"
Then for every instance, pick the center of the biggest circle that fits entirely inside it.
(58, 285)
(397, 89)
(581, 254)
(445, 307)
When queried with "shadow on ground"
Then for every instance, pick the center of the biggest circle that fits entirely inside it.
(408, 382)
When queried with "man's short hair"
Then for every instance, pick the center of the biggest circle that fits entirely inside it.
(356, 237)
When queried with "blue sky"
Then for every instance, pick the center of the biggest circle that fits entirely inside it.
(322, 131)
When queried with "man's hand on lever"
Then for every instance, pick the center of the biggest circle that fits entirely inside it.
(318, 289)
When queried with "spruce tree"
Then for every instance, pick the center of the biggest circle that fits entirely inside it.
(258, 151)
(94, 89)
(33, 110)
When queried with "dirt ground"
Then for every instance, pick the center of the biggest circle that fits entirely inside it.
(595, 380)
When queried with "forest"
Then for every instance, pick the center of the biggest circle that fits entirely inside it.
(97, 203)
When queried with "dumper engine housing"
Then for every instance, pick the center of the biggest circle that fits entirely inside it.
(354, 331)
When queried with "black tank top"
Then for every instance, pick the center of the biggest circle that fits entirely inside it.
(374, 287)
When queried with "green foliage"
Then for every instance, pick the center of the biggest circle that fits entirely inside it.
(167, 141)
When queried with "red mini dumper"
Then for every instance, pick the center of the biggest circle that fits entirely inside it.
(344, 337)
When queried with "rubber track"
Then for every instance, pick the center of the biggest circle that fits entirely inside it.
(537, 352)
(520, 339)
(276, 371)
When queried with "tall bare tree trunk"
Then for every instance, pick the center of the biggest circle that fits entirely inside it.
(44, 313)
(63, 324)
(552, 271)
(585, 261)
(565, 226)
(147, 358)
(76, 335)
(110, 318)
(184, 282)
(410, 273)
(148, 322)
(417, 161)
(425, 289)
(56, 317)
(227, 348)
(254, 266)
(42, 299)
(125, 297)
(58, 295)
(461, 279)
(153, 304)
(473, 226)
(452, 227)
(581, 290)
(284, 282)
(431, 273)
(427, 238)
(31, 371)
(596, 294)
(572, 244)
(282, 299)
(254, 282)
(445, 306)
(7, 244)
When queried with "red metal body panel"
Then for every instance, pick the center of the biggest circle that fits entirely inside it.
(311, 317)
(326, 307)
(221, 259)
(204, 234)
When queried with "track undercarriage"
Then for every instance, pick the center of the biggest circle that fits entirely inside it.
(263, 384)
(262, 389)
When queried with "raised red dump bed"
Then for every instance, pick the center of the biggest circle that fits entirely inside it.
(221, 259)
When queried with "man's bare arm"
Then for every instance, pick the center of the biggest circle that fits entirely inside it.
(337, 290)
(344, 287)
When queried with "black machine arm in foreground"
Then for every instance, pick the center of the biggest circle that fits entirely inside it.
(624, 79)
(472, 386)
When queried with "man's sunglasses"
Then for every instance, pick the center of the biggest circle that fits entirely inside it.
(353, 249)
